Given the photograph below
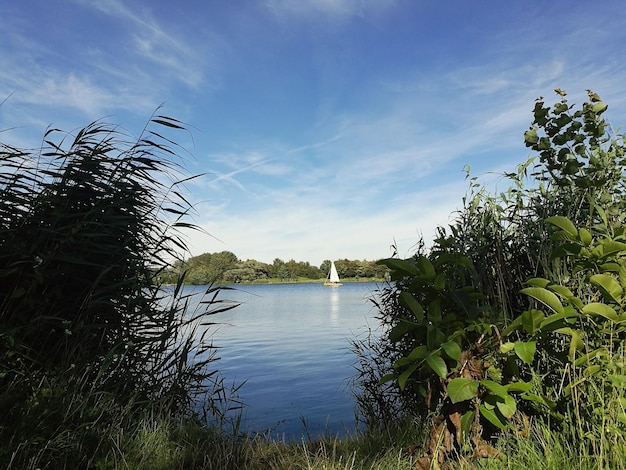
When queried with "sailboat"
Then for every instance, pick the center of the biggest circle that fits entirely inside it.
(333, 277)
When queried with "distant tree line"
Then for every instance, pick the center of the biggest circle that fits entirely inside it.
(225, 267)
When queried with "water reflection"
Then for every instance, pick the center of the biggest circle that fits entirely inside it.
(334, 305)
(291, 346)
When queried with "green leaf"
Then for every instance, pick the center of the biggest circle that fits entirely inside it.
(531, 137)
(612, 247)
(600, 309)
(437, 364)
(419, 352)
(609, 287)
(440, 282)
(585, 236)
(426, 268)
(544, 296)
(399, 330)
(407, 300)
(493, 417)
(495, 388)
(599, 108)
(531, 319)
(404, 267)
(434, 311)
(434, 337)
(452, 350)
(508, 407)
(537, 282)
(524, 387)
(576, 342)
(461, 389)
(563, 291)
(404, 376)
(558, 320)
(564, 224)
(467, 420)
(507, 347)
(525, 350)
(387, 378)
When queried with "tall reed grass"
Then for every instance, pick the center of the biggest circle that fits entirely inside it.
(89, 342)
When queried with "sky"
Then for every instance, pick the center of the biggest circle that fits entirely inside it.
(321, 129)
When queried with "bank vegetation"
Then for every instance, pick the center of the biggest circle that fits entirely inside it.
(501, 344)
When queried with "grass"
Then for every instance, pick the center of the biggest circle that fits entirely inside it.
(159, 444)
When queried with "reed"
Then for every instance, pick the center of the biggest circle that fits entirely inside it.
(89, 341)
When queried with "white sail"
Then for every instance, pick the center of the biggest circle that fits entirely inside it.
(333, 277)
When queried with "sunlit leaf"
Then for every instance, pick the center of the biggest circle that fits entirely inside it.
(544, 296)
(609, 287)
(600, 309)
(461, 389)
(525, 350)
(564, 224)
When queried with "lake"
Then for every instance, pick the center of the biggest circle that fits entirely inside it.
(291, 344)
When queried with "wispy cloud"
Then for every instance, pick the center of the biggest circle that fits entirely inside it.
(330, 8)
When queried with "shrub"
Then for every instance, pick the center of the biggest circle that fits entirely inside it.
(460, 337)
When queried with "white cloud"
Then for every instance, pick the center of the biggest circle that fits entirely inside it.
(338, 9)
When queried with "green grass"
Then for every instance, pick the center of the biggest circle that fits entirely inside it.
(159, 444)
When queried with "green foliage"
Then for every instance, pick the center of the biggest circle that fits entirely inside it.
(88, 338)
(547, 270)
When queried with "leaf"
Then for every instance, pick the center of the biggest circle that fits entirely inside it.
(407, 300)
(556, 320)
(452, 350)
(419, 352)
(563, 291)
(524, 387)
(544, 296)
(495, 388)
(399, 330)
(599, 108)
(507, 347)
(612, 247)
(564, 224)
(461, 389)
(537, 282)
(437, 364)
(404, 376)
(467, 420)
(576, 342)
(508, 407)
(387, 378)
(531, 319)
(585, 236)
(401, 266)
(426, 267)
(434, 311)
(530, 137)
(609, 287)
(525, 350)
(600, 309)
(492, 417)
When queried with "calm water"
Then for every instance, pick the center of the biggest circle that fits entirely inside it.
(290, 343)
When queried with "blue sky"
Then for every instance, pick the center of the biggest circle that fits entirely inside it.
(326, 128)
